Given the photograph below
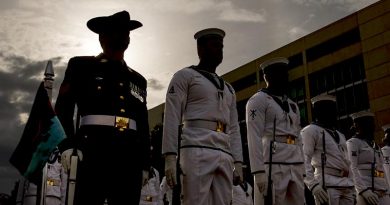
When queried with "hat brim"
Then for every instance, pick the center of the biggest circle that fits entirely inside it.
(104, 24)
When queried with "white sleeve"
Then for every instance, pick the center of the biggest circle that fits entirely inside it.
(353, 152)
(234, 132)
(309, 143)
(255, 119)
(176, 99)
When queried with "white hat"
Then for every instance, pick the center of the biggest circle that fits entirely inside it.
(323, 97)
(386, 127)
(272, 61)
(360, 114)
(209, 31)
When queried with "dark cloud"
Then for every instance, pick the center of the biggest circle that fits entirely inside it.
(155, 84)
(18, 84)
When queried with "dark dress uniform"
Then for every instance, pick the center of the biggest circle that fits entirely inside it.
(114, 131)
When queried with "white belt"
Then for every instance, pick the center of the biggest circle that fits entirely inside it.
(210, 125)
(109, 120)
(336, 172)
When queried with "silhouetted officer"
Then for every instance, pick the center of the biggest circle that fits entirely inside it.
(111, 100)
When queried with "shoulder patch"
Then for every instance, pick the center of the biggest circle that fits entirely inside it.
(253, 114)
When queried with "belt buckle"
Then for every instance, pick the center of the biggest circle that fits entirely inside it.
(344, 173)
(290, 139)
(50, 182)
(122, 123)
(149, 198)
(220, 127)
(379, 174)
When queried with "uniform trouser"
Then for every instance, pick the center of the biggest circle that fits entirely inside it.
(384, 200)
(340, 196)
(105, 172)
(288, 186)
(207, 176)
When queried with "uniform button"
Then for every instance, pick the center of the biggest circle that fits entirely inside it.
(121, 97)
(121, 84)
(123, 110)
(99, 87)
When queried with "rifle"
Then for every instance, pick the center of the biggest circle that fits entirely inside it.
(72, 175)
(176, 191)
(268, 199)
(323, 162)
(373, 171)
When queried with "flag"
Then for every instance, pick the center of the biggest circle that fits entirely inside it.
(41, 135)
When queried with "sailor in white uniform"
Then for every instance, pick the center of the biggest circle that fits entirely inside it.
(150, 192)
(386, 152)
(330, 157)
(210, 141)
(367, 162)
(272, 116)
(56, 183)
(242, 194)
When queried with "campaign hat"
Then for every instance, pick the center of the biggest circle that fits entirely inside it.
(117, 22)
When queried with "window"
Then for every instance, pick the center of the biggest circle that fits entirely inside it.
(346, 39)
(346, 80)
(244, 82)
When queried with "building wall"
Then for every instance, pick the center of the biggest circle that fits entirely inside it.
(357, 48)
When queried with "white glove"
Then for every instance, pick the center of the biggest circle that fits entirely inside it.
(170, 170)
(66, 158)
(320, 194)
(370, 197)
(237, 173)
(145, 177)
(261, 181)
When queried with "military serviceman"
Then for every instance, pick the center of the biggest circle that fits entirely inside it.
(111, 100)
(367, 162)
(210, 141)
(386, 151)
(272, 116)
(330, 157)
(56, 183)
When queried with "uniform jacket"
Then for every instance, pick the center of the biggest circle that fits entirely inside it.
(386, 165)
(261, 110)
(361, 155)
(191, 96)
(336, 157)
(101, 87)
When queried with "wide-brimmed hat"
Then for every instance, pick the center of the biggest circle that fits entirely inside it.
(117, 22)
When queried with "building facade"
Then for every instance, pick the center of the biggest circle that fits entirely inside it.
(349, 58)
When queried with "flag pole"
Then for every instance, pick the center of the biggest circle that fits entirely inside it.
(48, 84)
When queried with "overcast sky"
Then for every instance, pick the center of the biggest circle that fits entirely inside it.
(33, 32)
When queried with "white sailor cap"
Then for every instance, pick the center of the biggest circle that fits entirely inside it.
(360, 114)
(386, 127)
(273, 61)
(323, 97)
(209, 31)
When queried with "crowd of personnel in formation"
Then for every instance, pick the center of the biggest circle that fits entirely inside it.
(201, 142)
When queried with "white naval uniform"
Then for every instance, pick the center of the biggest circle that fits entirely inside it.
(55, 187)
(241, 196)
(386, 158)
(150, 192)
(338, 175)
(207, 156)
(287, 168)
(166, 190)
(361, 155)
